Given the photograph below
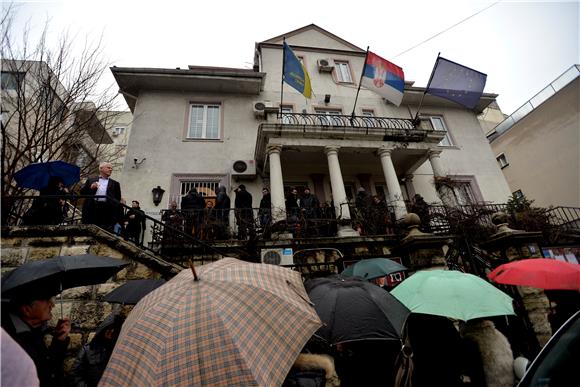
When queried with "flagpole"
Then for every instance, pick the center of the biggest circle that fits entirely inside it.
(282, 80)
(416, 119)
(359, 84)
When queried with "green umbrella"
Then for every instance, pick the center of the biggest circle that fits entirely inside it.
(452, 294)
(373, 268)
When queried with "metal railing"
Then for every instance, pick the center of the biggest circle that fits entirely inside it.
(142, 230)
(212, 224)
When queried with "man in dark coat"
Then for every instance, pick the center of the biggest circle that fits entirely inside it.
(265, 212)
(222, 210)
(134, 223)
(102, 211)
(193, 207)
(25, 321)
(244, 213)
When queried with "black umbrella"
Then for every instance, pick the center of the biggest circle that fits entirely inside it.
(51, 276)
(132, 291)
(355, 310)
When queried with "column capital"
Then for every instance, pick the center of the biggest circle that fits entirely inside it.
(434, 153)
(331, 149)
(384, 152)
(273, 148)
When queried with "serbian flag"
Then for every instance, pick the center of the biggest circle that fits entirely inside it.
(456, 83)
(295, 74)
(384, 78)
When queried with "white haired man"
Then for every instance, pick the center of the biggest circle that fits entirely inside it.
(102, 211)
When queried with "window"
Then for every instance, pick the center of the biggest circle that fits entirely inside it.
(323, 120)
(204, 122)
(118, 130)
(436, 123)
(462, 190)
(11, 81)
(518, 194)
(502, 161)
(287, 119)
(368, 113)
(343, 71)
(207, 188)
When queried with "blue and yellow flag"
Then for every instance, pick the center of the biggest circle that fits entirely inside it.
(295, 74)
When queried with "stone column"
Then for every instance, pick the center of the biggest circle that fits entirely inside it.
(276, 184)
(338, 192)
(444, 192)
(395, 194)
(409, 185)
(436, 165)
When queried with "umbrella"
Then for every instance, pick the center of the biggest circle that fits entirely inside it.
(132, 291)
(453, 294)
(373, 268)
(354, 310)
(36, 175)
(233, 323)
(50, 276)
(543, 273)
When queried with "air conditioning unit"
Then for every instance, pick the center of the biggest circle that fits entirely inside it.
(278, 256)
(324, 66)
(244, 168)
(263, 107)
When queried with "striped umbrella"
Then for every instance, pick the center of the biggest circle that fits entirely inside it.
(232, 323)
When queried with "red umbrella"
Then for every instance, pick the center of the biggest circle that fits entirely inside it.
(543, 273)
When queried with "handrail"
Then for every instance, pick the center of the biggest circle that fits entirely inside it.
(73, 200)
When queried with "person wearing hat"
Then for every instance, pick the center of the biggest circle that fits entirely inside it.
(92, 358)
(26, 322)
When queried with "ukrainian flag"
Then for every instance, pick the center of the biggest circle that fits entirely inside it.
(295, 74)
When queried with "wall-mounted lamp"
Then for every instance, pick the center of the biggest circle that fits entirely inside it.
(327, 98)
(157, 195)
(136, 162)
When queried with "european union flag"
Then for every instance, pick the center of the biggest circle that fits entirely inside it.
(456, 83)
(295, 74)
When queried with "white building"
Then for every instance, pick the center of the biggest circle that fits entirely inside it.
(194, 125)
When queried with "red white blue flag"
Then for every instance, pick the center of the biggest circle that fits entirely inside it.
(456, 83)
(384, 78)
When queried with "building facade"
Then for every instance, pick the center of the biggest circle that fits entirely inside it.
(538, 146)
(208, 126)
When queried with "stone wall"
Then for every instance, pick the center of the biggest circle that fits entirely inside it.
(83, 305)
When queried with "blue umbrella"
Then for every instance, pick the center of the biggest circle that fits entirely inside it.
(36, 175)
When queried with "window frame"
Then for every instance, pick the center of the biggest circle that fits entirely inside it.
(178, 179)
(326, 111)
(338, 74)
(206, 105)
(469, 181)
(448, 136)
(499, 159)
(287, 109)
(18, 78)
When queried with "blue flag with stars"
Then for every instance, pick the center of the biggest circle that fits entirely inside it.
(456, 83)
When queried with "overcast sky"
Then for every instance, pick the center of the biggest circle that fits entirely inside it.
(521, 45)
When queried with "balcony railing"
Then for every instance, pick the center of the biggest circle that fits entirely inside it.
(325, 126)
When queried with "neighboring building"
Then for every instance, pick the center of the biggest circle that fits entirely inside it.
(43, 121)
(205, 126)
(538, 146)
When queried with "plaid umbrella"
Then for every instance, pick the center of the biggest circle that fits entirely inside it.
(239, 324)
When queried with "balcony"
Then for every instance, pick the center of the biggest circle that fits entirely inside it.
(343, 127)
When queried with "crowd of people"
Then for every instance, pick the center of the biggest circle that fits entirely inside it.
(207, 218)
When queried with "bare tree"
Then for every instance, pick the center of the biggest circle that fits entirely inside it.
(53, 107)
